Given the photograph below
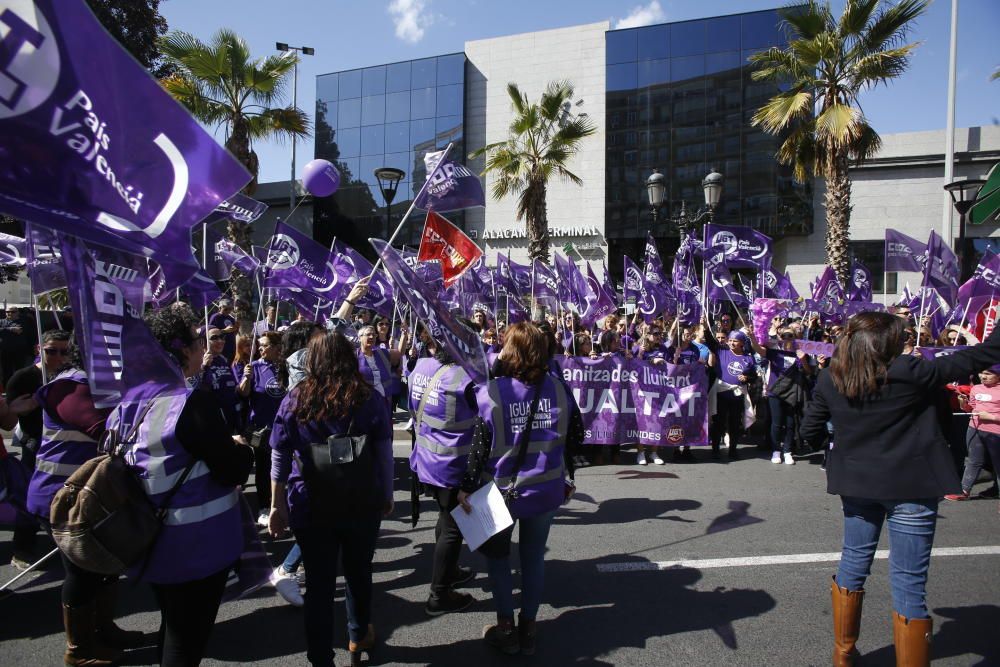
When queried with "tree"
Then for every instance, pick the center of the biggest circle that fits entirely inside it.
(543, 137)
(222, 86)
(137, 25)
(827, 65)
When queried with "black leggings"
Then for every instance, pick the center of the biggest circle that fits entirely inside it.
(262, 476)
(80, 587)
(448, 538)
(187, 616)
(728, 419)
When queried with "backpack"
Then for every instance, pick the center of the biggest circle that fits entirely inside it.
(342, 475)
(102, 519)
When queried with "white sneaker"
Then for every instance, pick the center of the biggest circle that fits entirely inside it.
(263, 518)
(776, 457)
(656, 459)
(789, 461)
(640, 458)
(287, 587)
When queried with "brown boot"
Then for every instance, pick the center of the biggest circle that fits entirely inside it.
(107, 631)
(913, 640)
(846, 623)
(83, 649)
(356, 648)
(526, 635)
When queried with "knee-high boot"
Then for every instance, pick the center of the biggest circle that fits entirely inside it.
(83, 647)
(846, 623)
(912, 637)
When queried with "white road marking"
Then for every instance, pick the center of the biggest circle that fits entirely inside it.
(785, 559)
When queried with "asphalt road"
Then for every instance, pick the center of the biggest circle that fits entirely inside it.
(605, 603)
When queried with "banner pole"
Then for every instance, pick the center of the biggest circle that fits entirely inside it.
(316, 314)
(204, 265)
(38, 326)
(885, 289)
(413, 205)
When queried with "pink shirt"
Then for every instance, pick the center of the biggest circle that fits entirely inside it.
(985, 399)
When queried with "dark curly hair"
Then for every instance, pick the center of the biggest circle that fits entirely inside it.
(333, 386)
(173, 328)
(297, 336)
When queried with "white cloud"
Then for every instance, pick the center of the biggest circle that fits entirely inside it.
(642, 15)
(411, 19)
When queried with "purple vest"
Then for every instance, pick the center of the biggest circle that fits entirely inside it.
(201, 533)
(504, 405)
(62, 451)
(266, 393)
(219, 378)
(444, 426)
(386, 378)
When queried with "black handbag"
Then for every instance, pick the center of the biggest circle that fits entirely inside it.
(343, 469)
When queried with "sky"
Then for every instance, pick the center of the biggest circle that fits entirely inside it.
(361, 33)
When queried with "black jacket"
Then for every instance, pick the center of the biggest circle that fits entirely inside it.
(890, 447)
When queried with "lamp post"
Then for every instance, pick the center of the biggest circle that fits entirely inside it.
(712, 187)
(306, 51)
(963, 196)
(656, 187)
(388, 181)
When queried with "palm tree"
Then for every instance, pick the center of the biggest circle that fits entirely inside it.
(827, 65)
(222, 86)
(543, 137)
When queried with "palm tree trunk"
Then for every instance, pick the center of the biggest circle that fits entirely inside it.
(838, 217)
(536, 219)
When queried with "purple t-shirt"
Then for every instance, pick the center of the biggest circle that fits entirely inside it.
(731, 366)
(219, 379)
(266, 393)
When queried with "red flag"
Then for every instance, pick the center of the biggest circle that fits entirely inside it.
(446, 243)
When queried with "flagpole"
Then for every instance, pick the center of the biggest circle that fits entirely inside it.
(38, 325)
(885, 289)
(316, 315)
(413, 205)
(204, 265)
(532, 304)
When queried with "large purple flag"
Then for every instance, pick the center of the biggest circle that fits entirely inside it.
(903, 253)
(313, 305)
(92, 146)
(600, 304)
(685, 275)
(689, 309)
(295, 260)
(743, 247)
(462, 342)
(12, 250)
(982, 287)
(573, 283)
(860, 288)
(352, 266)
(242, 208)
(942, 268)
(106, 288)
(653, 268)
(546, 284)
(719, 281)
(516, 312)
(650, 300)
(451, 186)
(828, 288)
(230, 256)
(45, 266)
(503, 280)
(520, 274)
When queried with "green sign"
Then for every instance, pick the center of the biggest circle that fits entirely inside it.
(987, 206)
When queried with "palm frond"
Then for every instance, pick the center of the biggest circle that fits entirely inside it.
(518, 100)
(805, 23)
(782, 110)
(279, 124)
(857, 14)
(872, 69)
(892, 26)
(867, 145)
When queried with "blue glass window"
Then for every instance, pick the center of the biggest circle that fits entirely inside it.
(622, 77)
(348, 142)
(350, 113)
(690, 67)
(373, 110)
(399, 161)
(620, 46)
(373, 140)
(653, 72)
(327, 109)
(448, 129)
(449, 100)
(422, 103)
(326, 87)
(451, 69)
(349, 170)
(350, 84)
(368, 166)
(397, 77)
(762, 30)
(423, 73)
(397, 137)
(688, 38)
(374, 81)
(421, 133)
(397, 107)
(654, 42)
(724, 34)
(722, 62)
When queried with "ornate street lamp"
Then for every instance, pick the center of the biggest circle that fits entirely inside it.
(656, 188)
(388, 181)
(712, 186)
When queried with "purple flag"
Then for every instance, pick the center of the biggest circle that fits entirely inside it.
(462, 342)
(653, 268)
(650, 300)
(106, 288)
(516, 312)
(45, 266)
(719, 281)
(684, 274)
(306, 302)
(903, 253)
(743, 247)
(573, 283)
(295, 260)
(520, 274)
(828, 288)
(503, 280)
(860, 288)
(982, 287)
(352, 266)
(545, 282)
(201, 290)
(230, 256)
(94, 147)
(12, 250)
(242, 208)
(941, 270)
(451, 186)
(600, 304)
(689, 310)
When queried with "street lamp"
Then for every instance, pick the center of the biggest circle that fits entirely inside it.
(388, 181)
(306, 51)
(712, 187)
(656, 187)
(963, 196)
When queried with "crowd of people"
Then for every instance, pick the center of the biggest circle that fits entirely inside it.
(308, 409)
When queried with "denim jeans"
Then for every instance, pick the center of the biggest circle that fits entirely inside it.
(911, 535)
(293, 559)
(532, 535)
(980, 443)
(352, 540)
(782, 425)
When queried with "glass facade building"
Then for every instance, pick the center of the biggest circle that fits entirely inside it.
(680, 99)
(384, 116)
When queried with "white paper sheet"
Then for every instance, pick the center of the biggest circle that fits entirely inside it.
(489, 516)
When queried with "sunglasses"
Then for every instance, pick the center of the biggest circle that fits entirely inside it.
(217, 337)
(51, 351)
(787, 336)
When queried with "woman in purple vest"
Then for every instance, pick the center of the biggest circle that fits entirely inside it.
(265, 383)
(536, 487)
(217, 377)
(330, 524)
(201, 537)
(71, 428)
(376, 363)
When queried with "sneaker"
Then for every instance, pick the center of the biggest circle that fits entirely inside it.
(640, 458)
(263, 518)
(460, 576)
(789, 461)
(19, 564)
(503, 636)
(451, 601)
(656, 459)
(776, 457)
(964, 495)
(287, 587)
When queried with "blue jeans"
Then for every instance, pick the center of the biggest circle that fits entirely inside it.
(293, 559)
(911, 536)
(981, 443)
(533, 533)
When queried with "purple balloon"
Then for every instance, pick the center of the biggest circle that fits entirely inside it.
(321, 178)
